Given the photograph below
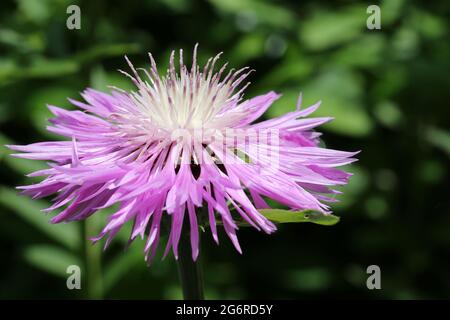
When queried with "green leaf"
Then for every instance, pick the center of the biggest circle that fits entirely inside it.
(268, 13)
(106, 50)
(102, 80)
(341, 93)
(51, 259)
(8, 67)
(439, 138)
(247, 48)
(309, 279)
(428, 25)
(35, 11)
(44, 68)
(292, 69)
(388, 113)
(36, 104)
(22, 166)
(242, 155)
(120, 266)
(30, 210)
(364, 52)
(326, 29)
(392, 10)
(287, 216)
(356, 186)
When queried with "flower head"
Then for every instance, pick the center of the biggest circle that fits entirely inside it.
(183, 148)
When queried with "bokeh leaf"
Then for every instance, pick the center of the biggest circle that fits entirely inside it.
(22, 166)
(326, 29)
(51, 259)
(309, 279)
(391, 10)
(247, 48)
(36, 104)
(439, 138)
(120, 266)
(106, 50)
(44, 68)
(30, 210)
(364, 52)
(268, 13)
(340, 91)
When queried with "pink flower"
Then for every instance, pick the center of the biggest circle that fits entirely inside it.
(179, 143)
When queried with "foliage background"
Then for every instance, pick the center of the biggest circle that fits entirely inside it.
(388, 90)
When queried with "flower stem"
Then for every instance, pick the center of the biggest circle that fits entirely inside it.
(93, 262)
(190, 272)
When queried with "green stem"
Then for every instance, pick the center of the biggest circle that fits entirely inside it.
(93, 262)
(189, 270)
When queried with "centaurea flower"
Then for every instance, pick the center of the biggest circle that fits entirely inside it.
(178, 143)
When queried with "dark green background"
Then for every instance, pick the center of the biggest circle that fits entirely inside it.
(388, 90)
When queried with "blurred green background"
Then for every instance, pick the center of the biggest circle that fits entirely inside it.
(388, 90)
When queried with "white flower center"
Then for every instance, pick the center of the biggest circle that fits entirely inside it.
(189, 99)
